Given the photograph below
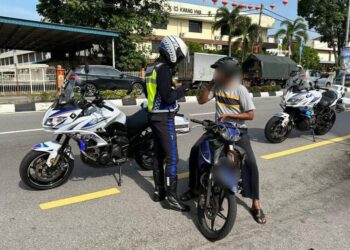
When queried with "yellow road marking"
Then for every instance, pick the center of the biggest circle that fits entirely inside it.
(304, 148)
(183, 175)
(79, 198)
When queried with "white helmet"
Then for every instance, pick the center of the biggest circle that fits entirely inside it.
(173, 48)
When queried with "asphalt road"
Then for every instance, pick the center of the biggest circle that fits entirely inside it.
(306, 196)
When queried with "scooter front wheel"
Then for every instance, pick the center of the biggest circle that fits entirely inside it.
(36, 174)
(216, 221)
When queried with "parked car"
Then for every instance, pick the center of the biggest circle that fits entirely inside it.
(324, 80)
(339, 79)
(102, 77)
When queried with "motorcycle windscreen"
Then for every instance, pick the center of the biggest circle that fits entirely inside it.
(227, 175)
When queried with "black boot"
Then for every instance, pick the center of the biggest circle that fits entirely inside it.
(159, 190)
(171, 196)
(159, 194)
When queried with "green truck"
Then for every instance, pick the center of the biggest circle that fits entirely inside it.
(267, 70)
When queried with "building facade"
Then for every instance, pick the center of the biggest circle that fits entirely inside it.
(325, 53)
(194, 23)
(11, 58)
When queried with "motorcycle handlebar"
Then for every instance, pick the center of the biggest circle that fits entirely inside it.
(197, 121)
(106, 107)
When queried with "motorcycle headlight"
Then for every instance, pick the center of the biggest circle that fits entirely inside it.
(294, 100)
(54, 121)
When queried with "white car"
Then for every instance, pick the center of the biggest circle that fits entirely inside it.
(317, 79)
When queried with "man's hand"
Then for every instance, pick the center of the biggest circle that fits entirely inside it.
(243, 116)
(223, 117)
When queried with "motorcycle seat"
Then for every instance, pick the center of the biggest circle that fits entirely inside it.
(328, 98)
(137, 122)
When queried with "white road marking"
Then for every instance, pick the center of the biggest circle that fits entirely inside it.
(200, 114)
(20, 131)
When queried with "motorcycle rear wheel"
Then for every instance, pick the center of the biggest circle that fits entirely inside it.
(322, 130)
(35, 174)
(144, 161)
(270, 130)
(209, 231)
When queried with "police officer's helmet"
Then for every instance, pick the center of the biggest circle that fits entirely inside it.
(228, 65)
(173, 49)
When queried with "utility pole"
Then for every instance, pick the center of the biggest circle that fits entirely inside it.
(258, 37)
(347, 38)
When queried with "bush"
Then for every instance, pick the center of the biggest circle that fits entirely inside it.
(43, 96)
(264, 88)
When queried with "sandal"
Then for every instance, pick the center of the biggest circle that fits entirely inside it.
(258, 215)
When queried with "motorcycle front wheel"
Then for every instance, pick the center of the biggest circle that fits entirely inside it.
(36, 174)
(216, 221)
(275, 132)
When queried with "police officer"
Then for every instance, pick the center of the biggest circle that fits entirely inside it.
(162, 103)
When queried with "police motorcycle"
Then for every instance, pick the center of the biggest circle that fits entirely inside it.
(219, 164)
(305, 109)
(106, 137)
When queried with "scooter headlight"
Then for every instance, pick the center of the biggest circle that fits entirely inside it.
(55, 121)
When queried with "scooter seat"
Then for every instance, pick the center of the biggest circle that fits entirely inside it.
(328, 98)
(137, 122)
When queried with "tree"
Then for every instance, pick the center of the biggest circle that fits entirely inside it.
(195, 47)
(226, 22)
(132, 19)
(329, 19)
(292, 32)
(309, 59)
(249, 33)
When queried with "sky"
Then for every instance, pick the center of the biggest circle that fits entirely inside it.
(26, 9)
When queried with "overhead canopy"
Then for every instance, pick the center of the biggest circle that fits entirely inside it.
(40, 36)
(270, 67)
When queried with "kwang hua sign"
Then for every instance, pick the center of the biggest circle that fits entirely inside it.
(179, 9)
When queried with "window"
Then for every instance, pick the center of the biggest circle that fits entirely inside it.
(31, 57)
(155, 46)
(112, 72)
(195, 26)
(160, 26)
(38, 56)
(20, 59)
(25, 58)
(101, 71)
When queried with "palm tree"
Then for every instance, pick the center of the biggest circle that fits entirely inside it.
(225, 20)
(293, 32)
(248, 32)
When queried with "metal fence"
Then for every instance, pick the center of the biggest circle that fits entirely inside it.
(33, 80)
(27, 81)
(133, 73)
